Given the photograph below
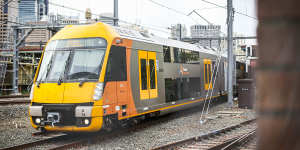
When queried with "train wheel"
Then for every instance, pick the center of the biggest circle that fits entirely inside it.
(109, 123)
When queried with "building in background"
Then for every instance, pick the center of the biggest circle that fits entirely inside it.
(61, 19)
(178, 31)
(206, 31)
(38, 36)
(32, 10)
(8, 17)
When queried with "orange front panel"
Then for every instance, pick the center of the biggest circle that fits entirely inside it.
(110, 97)
(122, 91)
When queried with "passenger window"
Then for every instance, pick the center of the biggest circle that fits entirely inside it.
(116, 65)
(177, 55)
(144, 73)
(214, 69)
(182, 88)
(206, 76)
(182, 56)
(152, 74)
(167, 54)
(209, 73)
(191, 57)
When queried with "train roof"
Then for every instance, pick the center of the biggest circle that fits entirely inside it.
(148, 38)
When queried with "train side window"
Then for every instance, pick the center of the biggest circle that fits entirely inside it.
(176, 55)
(214, 68)
(171, 90)
(191, 57)
(209, 73)
(116, 69)
(182, 56)
(205, 73)
(144, 73)
(152, 74)
(167, 54)
(196, 57)
(182, 88)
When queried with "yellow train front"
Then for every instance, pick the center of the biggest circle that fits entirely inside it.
(92, 76)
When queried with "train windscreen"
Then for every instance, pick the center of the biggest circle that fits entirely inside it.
(72, 60)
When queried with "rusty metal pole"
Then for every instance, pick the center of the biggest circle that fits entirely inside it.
(278, 75)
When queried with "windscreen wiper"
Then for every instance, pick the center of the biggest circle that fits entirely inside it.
(65, 69)
(82, 82)
(47, 71)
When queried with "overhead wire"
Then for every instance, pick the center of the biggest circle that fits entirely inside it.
(172, 9)
(123, 21)
(224, 7)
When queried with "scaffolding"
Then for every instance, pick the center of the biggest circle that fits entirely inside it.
(19, 62)
(3, 69)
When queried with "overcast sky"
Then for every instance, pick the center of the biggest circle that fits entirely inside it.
(146, 13)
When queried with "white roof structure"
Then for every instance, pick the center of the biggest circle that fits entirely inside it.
(144, 37)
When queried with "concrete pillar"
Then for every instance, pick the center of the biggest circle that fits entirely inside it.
(278, 75)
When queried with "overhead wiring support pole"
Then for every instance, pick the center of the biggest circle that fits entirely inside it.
(230, 51)
(15, 62)
(116, 12)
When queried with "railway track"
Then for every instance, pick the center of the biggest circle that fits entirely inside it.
(245, 142)
(14, 99)
(58, 142)
(48, 143)
(227, 138)
(14, 96)
(67, 141)
(53, 141)
(250, 144)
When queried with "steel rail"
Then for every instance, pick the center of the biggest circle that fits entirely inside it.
(8, 102)
(241, 140)
(36, 143)
(14, 96)
(204, 136)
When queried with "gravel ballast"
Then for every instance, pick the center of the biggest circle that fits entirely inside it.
(15, 128)
(165, 130)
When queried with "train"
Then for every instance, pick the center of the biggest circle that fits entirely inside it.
(93, 77)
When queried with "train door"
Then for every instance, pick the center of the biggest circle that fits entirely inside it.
(116, 89)
(147, 75)
(207, 74)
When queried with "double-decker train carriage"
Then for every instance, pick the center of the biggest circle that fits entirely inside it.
(93, 76)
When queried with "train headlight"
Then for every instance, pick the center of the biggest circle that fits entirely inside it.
(86, 121)
(98, 91)
(37, 120)
(31, 92)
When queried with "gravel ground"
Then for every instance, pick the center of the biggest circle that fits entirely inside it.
(15, 127)
(165, 130)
